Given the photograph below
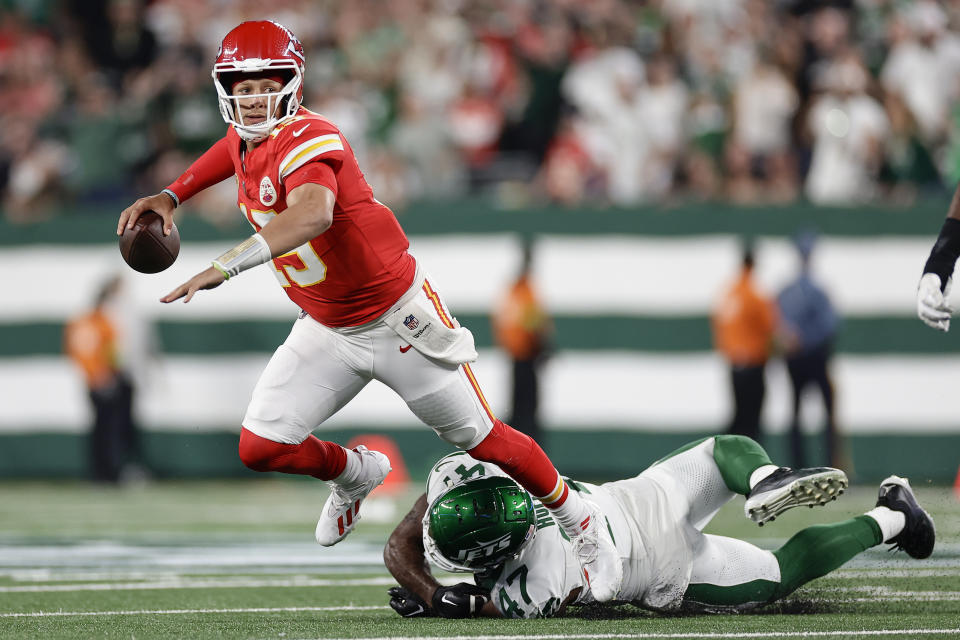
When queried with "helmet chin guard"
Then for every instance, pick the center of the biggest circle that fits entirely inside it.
(478, 524)
(254, 48)
(229, 105)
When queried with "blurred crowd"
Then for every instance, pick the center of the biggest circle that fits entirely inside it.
(573, 102)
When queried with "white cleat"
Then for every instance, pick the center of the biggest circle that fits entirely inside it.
(598, 556)
(341, 511)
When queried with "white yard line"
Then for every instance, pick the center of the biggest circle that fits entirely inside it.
(612, 636)
(905, 598)
(204, 583)
(926, 572)
(67, 574)
(70, 574)
(652, 636)
(876, 591)
(146, 612)
(182, 582)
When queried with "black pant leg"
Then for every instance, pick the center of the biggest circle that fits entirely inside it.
(798, 382)
(749, 389)
(104, 447)
(526, 398)
(820, 376)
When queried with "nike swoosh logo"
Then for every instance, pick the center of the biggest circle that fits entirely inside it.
(444, 597)
(296, 134)
(419, 610)
(404, 350)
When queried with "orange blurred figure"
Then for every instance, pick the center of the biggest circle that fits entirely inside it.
(524, 330)
(743, 325)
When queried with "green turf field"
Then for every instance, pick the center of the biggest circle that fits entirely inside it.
(237, 560)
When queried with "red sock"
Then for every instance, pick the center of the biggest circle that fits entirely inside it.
(520, 456)
(312, 457)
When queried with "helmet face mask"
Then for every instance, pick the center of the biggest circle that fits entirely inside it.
(478, 524)
(255, 48)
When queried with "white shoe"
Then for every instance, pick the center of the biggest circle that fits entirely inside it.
(342, 509)
(599, 558)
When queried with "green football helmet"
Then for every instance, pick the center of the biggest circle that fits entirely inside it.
(478, 524)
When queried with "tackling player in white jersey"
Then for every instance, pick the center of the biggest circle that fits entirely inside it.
(474, 519)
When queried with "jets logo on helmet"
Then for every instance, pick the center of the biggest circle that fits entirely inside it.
(479, 523)
(484, 550)
(259, 47)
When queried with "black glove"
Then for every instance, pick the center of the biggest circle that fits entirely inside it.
(462, 600)
(407, 603)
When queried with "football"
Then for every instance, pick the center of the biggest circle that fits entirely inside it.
(145, 248)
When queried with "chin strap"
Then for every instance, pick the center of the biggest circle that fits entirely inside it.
(250, 136)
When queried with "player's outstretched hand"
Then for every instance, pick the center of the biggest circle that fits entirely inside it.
(462, 600)
(209, 278)
(407, 603)
(160, 202)
(932, 305)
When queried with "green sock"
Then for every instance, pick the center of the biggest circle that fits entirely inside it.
(818, 550)
(738, 457)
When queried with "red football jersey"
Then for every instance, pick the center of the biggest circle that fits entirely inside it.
(356, 269)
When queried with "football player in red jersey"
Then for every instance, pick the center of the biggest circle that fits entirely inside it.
(342, 258)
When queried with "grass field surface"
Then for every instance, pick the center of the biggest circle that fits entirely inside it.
(237, 560)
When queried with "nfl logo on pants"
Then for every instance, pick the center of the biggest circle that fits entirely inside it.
(411, 322)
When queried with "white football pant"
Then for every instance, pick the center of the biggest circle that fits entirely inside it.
(319, 369)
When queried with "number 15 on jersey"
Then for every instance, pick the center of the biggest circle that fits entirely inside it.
(313, 270)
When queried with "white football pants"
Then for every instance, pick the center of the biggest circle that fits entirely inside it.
(319, 369)
(701, 492)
